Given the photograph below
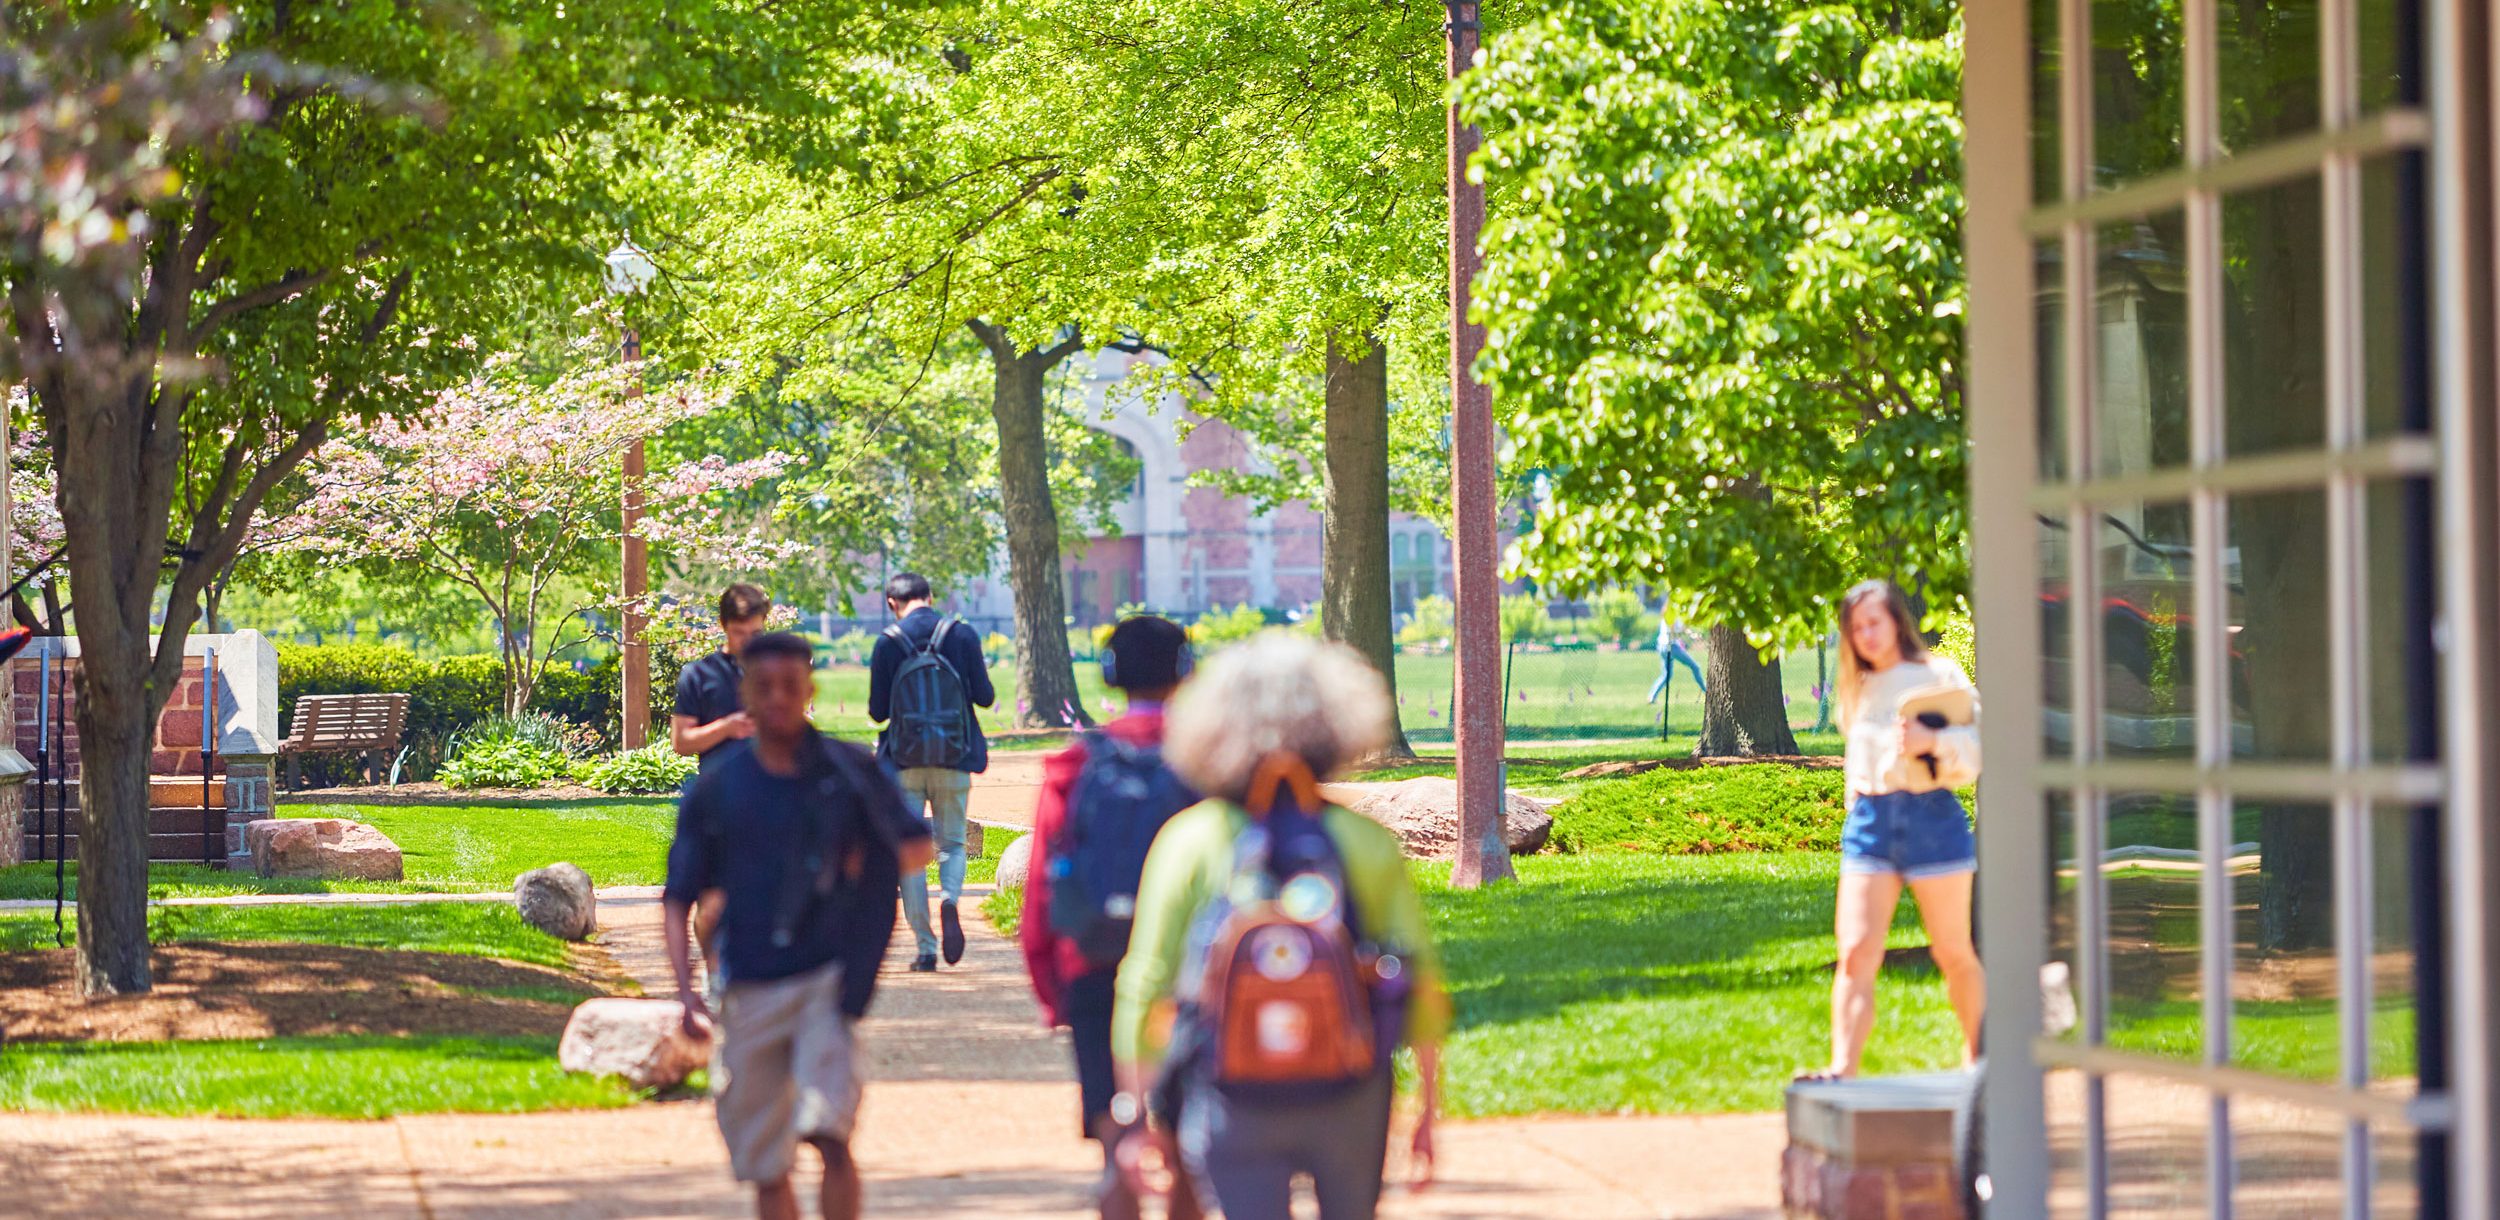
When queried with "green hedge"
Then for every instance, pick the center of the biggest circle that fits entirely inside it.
(445, 696)
(1705, 810)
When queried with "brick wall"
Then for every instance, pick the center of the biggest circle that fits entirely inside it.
(177, 743)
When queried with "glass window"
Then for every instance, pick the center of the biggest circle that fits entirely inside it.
(2394, 1151)
(2394, 266)
(2288, 1160)
(2146, 617)
(2274, 319)
(2064, 1094)
(2057, 712)
(2402, 602)
(2268, 55)
(2283, 983)
(2049, 345)
(2282, 686)
(2403, 851)
(2047, 177)
(2061, 980)
(2155, 930)
(2157, 1131)
(2140, 370)
(2138, 75)
(2391, 67)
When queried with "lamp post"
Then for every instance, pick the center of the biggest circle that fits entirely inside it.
(630, 270)
(1476, 700)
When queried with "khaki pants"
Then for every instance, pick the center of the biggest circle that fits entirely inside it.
(787, 1067)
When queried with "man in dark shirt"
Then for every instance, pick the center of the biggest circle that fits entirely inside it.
(709, 713)
(946, 792)
(806, 838)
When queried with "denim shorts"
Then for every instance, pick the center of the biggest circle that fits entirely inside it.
(1913, 835)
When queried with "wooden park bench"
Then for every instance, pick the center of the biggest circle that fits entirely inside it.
(344, 724)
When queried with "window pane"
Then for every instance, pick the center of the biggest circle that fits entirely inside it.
(2046, 145)
(2289, 1160)
(2391, 61)
(2049, 345)
(2146, 612)
(2394, 1151)
(2268, 65)
(2158, 1130)
(2138, 68)
(2403, 658)
(2057, 699)
(2274, 319)
(2062, 977)
(2063, 1093)
(2281, 684)
(2404, 847)
(2396, 390)
(2155, 930)
(2283, 1010)
(2140, 370)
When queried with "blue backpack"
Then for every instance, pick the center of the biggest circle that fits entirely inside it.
(931, 725)
(1120, 802)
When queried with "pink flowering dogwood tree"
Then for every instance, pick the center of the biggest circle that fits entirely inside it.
(509, 484)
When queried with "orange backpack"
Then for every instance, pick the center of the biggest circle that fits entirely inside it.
(1287, 998)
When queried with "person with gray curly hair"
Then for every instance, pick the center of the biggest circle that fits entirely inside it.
(1255, 731)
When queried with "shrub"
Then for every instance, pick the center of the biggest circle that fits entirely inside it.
(1524, 619)
(1616, 615)
(1958, 637)
(852, 647)
(521, 751)
(1433, 625)
(1749, 807)
(653, 768)
(1217, 628)
(444, 697)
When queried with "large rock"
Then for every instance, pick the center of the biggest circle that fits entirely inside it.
(643, 1041)
(1017, 862)
(321, 847)
(1424, 813)
(558, 900)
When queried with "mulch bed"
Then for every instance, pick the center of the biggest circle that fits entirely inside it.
(206, 991)
(1810, 762)
(429, 792)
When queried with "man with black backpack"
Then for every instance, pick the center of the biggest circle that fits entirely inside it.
(1103, 800)
(925, 677)
(804, 837)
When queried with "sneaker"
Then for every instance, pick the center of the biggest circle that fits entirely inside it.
(952, 931)
(926, 963)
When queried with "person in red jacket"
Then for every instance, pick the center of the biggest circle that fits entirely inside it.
(1146, 658)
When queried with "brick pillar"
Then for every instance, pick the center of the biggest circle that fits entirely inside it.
(249, 797)
(1874, 1149)
(14, 772)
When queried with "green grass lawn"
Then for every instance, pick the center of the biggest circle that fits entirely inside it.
(1663, 985)
(475, 929)
(486, 844)
(1554, 696)
(332, 1077)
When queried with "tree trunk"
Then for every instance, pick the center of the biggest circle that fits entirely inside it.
(1743, 712)
(1046, 693)
(116, 734)
(1354, 554)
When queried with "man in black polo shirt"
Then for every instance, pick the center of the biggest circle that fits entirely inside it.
(709, 713)
(806, 838)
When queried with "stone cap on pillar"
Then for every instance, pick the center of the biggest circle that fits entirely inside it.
(14, 769)
(247, 684)
(1879, 1120)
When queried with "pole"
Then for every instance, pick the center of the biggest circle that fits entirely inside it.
(1476, 701)
(636, 655)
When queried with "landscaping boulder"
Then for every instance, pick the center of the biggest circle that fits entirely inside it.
(1017, 861)
(333, 848)
(643, 1041)
(558, 900)
(1424, 813)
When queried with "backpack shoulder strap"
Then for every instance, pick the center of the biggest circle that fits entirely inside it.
(894, 632)
(937, 638)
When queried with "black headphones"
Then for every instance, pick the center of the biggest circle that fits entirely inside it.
(1182, 662)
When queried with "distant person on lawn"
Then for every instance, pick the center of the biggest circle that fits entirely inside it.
(1280, 954)
(709, 713)
(1911, 719)
(806, 838)
(925, 677)
(1103, 800)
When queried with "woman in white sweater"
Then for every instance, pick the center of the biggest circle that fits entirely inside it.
(1905, 825)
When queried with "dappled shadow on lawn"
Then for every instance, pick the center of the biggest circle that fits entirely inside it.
(1598, 929)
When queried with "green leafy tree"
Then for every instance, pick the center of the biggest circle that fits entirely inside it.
(309, 235)
(1723, 296)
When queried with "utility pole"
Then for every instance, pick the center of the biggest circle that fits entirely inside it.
(1476, 701)
(637, 654)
